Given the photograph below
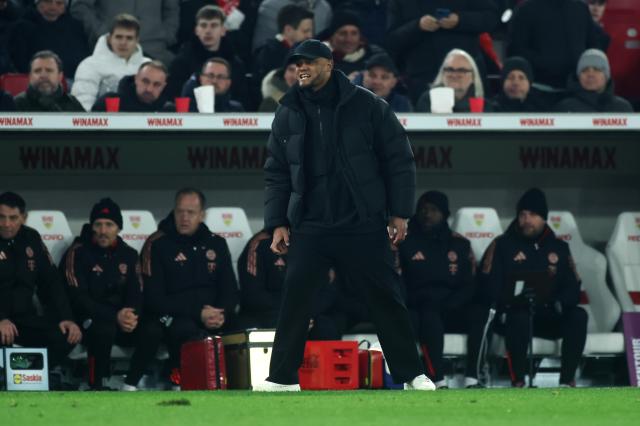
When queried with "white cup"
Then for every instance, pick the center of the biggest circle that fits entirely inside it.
(442, 100)
(205, 98)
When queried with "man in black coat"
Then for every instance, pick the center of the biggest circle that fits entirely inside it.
(517, 94)
(438, 270)
(529, 247)
(188, 277)
(105, 287)
(26, 273)
(339, 170)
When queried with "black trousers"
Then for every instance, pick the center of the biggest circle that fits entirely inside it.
(325, 326)
(366, 260)
(570, 326)
(102, 335)
(42, 332)
(431, 323)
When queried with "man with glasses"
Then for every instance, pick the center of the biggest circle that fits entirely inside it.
(215, 72)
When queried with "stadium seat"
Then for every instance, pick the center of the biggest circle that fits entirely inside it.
(623, 253)
(478, 224)
(622, 22)
(137, 225)
(14, 84)
(54, 229)
(230, 223)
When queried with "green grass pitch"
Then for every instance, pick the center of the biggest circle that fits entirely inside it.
(540, 407)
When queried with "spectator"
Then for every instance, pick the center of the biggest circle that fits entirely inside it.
(551, 35)
(372, 14)
(215, 72)
(45, 87)
(143, 92)
(28, 272)
(381, 77)
(529, 245)
(188, 277)
(117, 54)
(6, 102)
(275, 85)
(422, 32)
(48, 27)
(517, 95)
(458, 71)
(597, 9)
(158, 22)
(593, 90)
(209, 41)
(295, 24)
(267, 24)
(10, 13)
(105, 287)
(438, 270)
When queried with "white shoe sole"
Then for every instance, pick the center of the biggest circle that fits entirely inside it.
(275, 387)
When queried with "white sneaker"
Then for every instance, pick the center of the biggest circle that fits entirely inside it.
(268, 386)
(420, 382)
(128, 388)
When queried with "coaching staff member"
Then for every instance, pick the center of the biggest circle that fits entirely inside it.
(339, 167)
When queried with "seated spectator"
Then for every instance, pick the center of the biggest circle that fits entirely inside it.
(438, 270)
(158, 18)
(350, 50)
(422, 32)
(28, 273)
(372, 14)
(517, 95)
(48, 27)
(528, 246)
(458, 71)
(45, 87)
(6, 102)
(143, 92)
(105, 288)
(117, 54)
(295, 24)
(215, 72)
(188, 276)
(381, 77)
(208, 42)
(267, 22)
(274, 85)
(597, 9)
(593, 90)
(10, 13)
(262, 273)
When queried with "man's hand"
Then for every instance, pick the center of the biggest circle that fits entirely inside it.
(280, 242)
(429, 23)
(397, 229)
(71, 329)
(212, 318)
(8, 332)
(450, 21)
(127, 320)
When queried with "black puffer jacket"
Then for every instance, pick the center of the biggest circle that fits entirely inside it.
(372, 148)
(33, 101)
(585, 101)
(129, 101)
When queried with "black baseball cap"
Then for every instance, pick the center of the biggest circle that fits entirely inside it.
(381, 60)
(310, 49)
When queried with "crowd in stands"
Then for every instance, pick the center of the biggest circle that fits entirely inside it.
(555, 57)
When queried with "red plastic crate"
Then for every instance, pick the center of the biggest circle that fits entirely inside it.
(329, 365)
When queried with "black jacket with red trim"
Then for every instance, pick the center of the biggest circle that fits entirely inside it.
(514, 253)
(27, 270)
(101, 281)
(438, 267)
(183, 273)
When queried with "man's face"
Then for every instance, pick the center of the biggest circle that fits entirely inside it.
(429, 215)
(105, 232)
(216, 75)
(597, 10)
(458, 75)
(210, 32)
(10, 221)
(290, 76)
(593, 80)
(302, 33)
(516, 85)
(51, 10)
(313, 73)
(531, 224)
(123, 42)
(150, 82)
(346, 40)
(380, 81)
(188, 214)
(45, 76)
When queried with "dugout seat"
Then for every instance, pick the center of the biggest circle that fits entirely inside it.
(230, 223)
(13, 83)
(623, 253)
(54, 229)
(480, 225)
(137, 225)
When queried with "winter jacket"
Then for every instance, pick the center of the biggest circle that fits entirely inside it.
(397, 101)
(101, 72)
(270, 56)
(129, 101)
(34, 101)
(355, 62)
(6, 102)
(273, 89)
(532, 103)
(586, 101)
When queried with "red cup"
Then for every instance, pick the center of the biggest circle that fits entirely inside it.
(112, 104)
(182, 104)
(476, 104)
